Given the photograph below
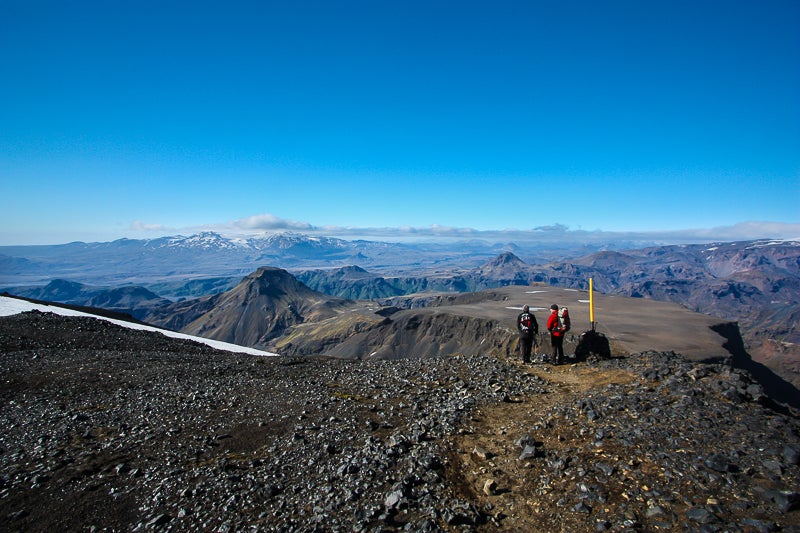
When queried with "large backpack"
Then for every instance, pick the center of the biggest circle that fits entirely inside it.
(526, 322)
(563, 319)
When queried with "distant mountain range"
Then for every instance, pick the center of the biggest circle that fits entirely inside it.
(755, 283)
(208, 255)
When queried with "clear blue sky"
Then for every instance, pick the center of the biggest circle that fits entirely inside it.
(116, 116)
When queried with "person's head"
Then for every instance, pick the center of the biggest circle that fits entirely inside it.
(554, 307)
(525, 308)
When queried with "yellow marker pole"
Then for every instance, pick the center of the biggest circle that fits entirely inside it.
(591, 303)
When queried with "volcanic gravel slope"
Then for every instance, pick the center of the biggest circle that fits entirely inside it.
(106, 428)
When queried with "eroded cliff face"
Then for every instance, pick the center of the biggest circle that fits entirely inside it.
(424, 333)
(413, 333)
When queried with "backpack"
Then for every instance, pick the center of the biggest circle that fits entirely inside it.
(526, 321)
(563, 319)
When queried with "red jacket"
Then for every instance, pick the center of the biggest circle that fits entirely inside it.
(552, 324)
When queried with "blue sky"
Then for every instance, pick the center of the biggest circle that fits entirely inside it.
(384, 118)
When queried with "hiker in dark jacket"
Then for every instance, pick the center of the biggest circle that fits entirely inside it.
(528, 329)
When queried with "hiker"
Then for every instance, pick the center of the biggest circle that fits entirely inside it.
(557, 330)
(528, 329)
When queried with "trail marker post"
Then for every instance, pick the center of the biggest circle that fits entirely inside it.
(591, 303)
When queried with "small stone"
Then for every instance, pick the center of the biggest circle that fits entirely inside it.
(525, 440)
(40, 478)
(655, 510)
(481, 453)
(791, 454)
(701, 516)
(603, 525)
(528, 453)
(605, 468)
(787, 501)
(393, 499)
(718, 463)
(773, 466)
(581, 507)
(158, 521)
(16, 515)
(490, 487)
(760, 526)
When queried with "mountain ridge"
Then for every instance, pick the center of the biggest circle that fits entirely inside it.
(259, 308)
(755, 283)
(209, 254)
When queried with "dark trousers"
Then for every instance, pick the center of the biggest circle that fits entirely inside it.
(525, 343)
(558, 348)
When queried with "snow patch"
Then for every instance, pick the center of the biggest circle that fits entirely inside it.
(776, 242)
(14, 306)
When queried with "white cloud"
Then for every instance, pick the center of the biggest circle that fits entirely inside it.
(753, 230)
(557, 232)
(138, 225)
(268, 222)
(560, 232)
(561, 228)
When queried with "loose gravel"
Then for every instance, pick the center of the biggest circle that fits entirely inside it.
(108, 429)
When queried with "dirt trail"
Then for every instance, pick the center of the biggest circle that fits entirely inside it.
(485, 465)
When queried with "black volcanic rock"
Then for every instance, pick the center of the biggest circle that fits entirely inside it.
(110, 429)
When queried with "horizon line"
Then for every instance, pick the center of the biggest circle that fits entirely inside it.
(266, 225)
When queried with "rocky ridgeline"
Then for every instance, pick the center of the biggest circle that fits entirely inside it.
(109, 429)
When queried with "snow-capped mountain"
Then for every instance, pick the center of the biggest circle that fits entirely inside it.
(210, 254)
(207, 240)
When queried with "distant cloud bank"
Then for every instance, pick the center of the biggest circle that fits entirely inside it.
(141, 226)
(268, 223)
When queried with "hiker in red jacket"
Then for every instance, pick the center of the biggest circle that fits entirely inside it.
(556, 335)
